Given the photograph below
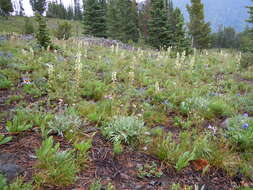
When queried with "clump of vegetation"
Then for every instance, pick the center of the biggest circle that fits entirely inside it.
(42, 35)
(240, 131)
(149, 170)
(64, 121)
(57, 167)
(63, 31)
(246, 60)
(123, 129)
(28, 28)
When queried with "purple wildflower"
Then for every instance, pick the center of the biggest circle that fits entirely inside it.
(245, 126)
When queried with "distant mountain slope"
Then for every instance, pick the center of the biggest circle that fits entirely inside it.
(227, 12)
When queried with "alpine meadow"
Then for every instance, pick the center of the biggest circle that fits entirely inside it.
(126, 95)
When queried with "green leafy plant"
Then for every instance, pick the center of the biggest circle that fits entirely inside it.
(57, 167)
(117, 148)
(82, 151)
(125, 129)
(4, 139)
(240, 132)
(64, 121)
(149, 170)
(5, 83)
(19, 122)
(184, 160)
(94, 90)
(33, 90)
(20, 185)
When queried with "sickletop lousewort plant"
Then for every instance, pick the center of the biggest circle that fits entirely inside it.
(157, 87)
(50, 70)
(78, 68)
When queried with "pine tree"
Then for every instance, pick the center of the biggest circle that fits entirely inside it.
(21, 8)
(250, 20)
(122, 20)
(159, 29)
(198, 28)
(42, 35)
(180, 40)
(144, 17)
(77, 10)
(38, 5)
(6, 7)
(94, 19)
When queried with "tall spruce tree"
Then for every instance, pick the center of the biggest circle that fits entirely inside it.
(180, 40)
(38, 6)
(6, 7)
(159, 29)
(21, 8)
(94, 19)
(250, 20)
(42, 35)
(77, 10)
(198, 28)
(122, 20)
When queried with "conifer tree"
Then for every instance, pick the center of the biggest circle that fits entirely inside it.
(38, 6)
(94, 19)
(180, 40)
(6, 7)
(21, 8)
(198, 28)
(122, 20)
(77, 10)
(250, 20)
(113, 20)
(144, 16)
(42, 35)
(158, 26)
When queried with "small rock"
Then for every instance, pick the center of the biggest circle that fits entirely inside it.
(11, 171)
(225, 124)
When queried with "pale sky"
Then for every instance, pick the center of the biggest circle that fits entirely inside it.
(28, 9)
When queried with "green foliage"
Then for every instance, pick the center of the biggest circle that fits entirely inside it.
(4, 139)
(38, 6)
(28, 28)
(94, 21)
(32, 90)
(159, 29)
(58, 10)
(199, 30)
(240, 131)
(20, 185)
(94, 90)
(122, 20)
(96, 185)
(117, 148)
(42, 35)
(64, 121)
(3, 182)
(6, 7)
(5, 83)
(19, 122)
(64, 30)
(125, 129)
(149, 170)
(247, 60)
(25, 118)
(57, 167)
(82, 151)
